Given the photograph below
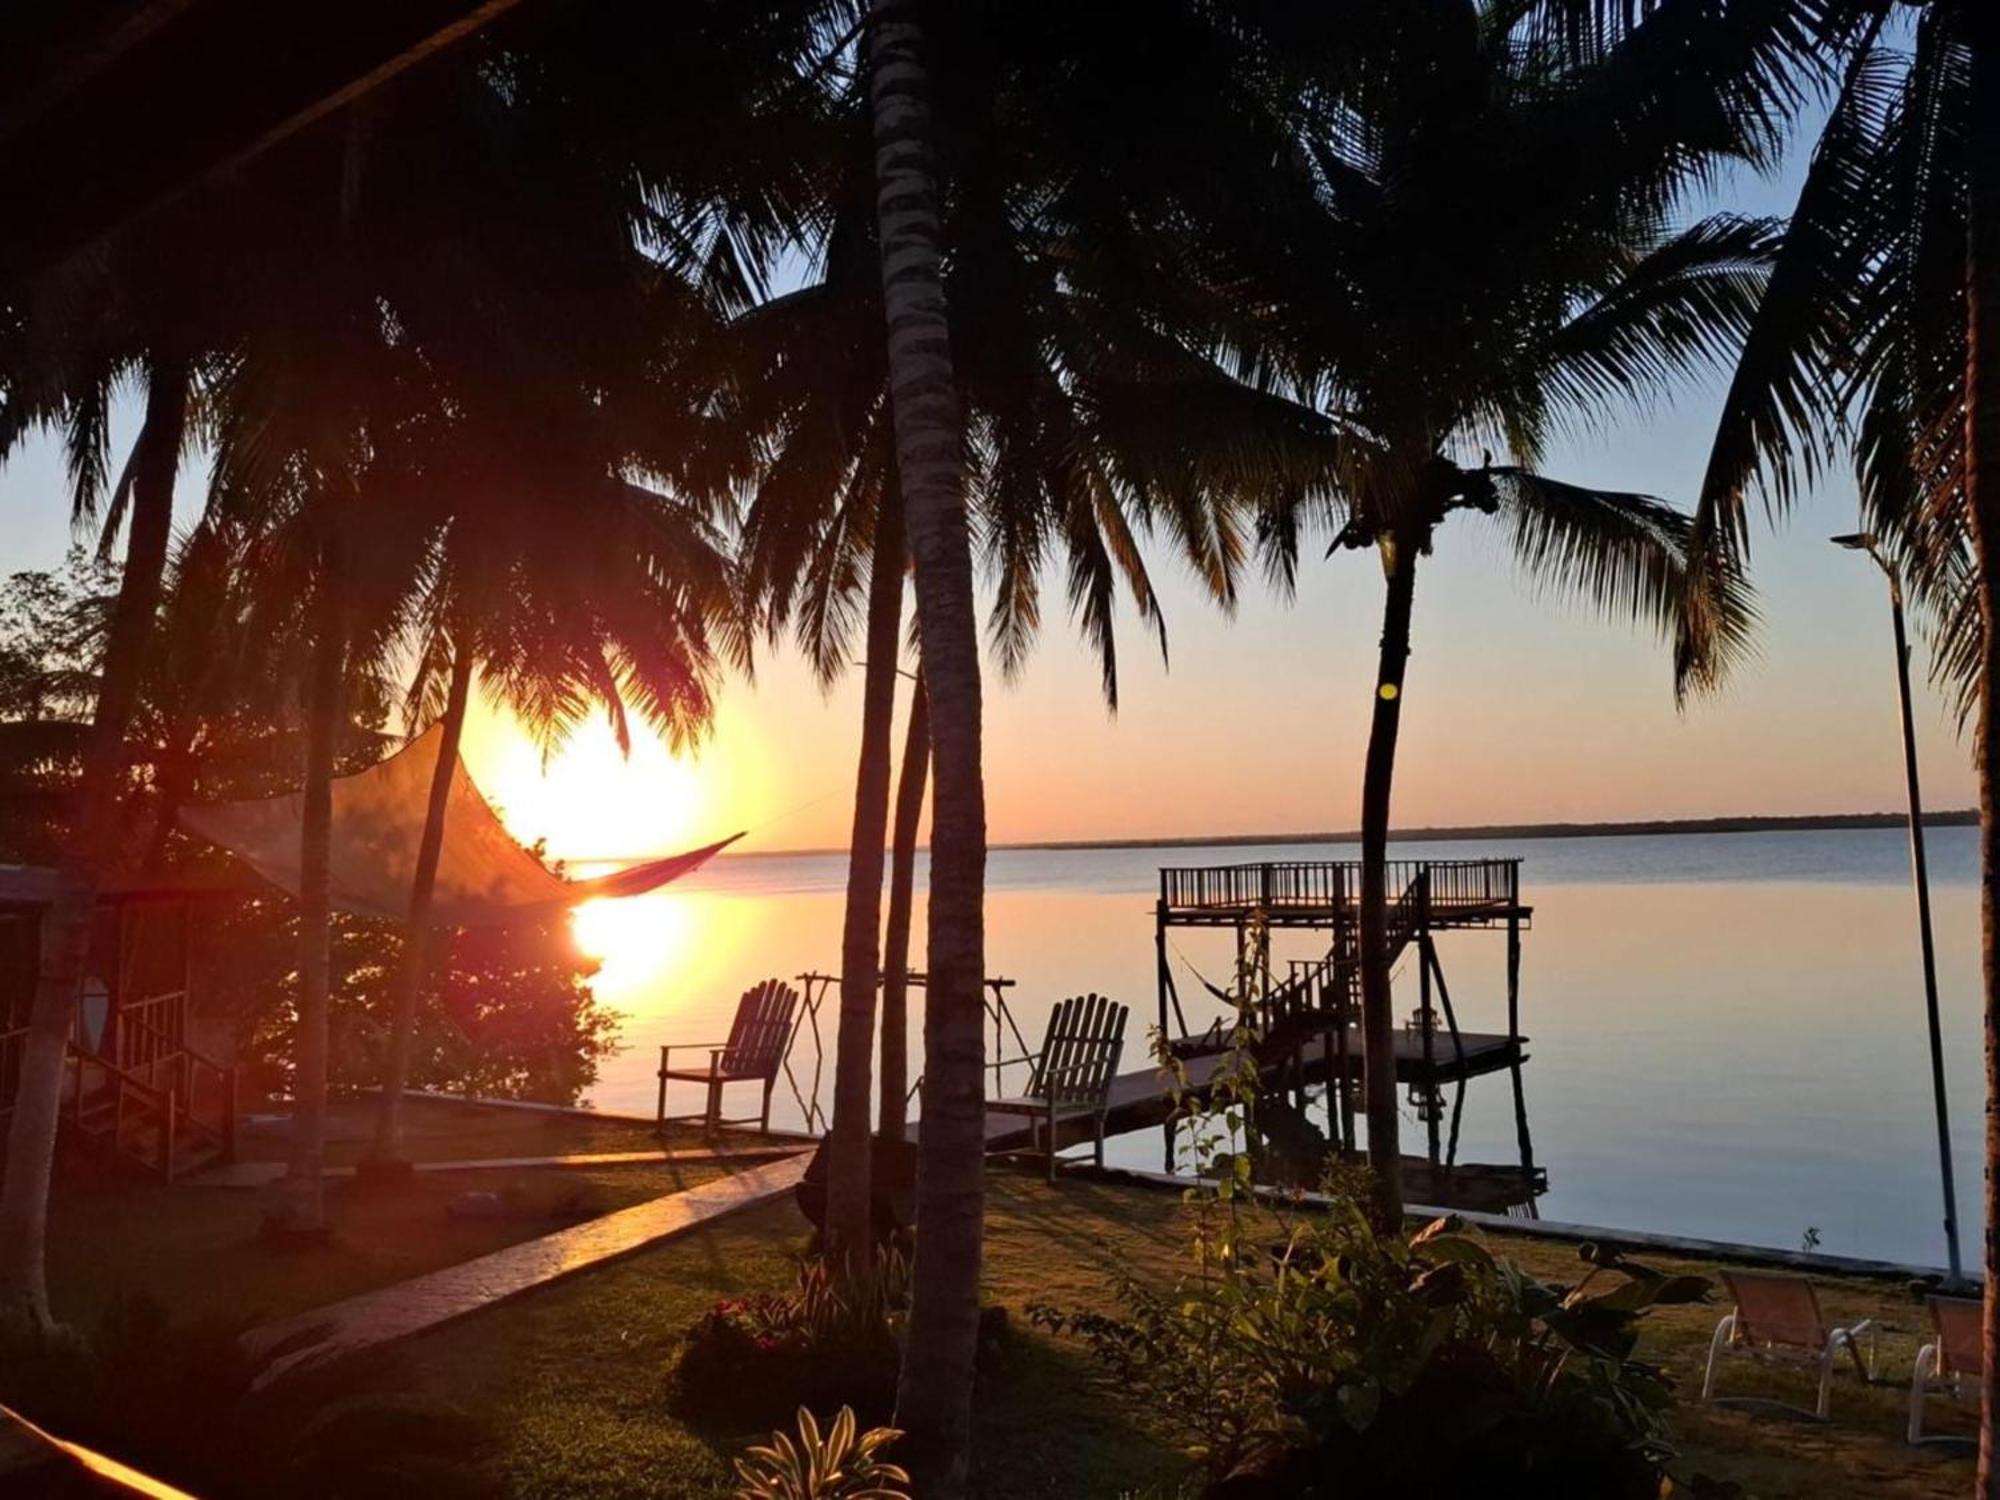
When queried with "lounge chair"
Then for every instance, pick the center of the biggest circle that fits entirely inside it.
(1951, 1363)
(758, 1041)
(1073, 1072)
(1777, 1318)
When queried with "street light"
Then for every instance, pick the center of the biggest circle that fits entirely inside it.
(1864, 541)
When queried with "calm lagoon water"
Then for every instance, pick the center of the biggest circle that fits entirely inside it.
(1727, 1031)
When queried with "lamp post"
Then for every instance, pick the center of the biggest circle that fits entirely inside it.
(1865, 542)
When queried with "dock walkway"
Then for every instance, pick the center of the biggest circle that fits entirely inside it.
(408, 1307)
(1144, 1098)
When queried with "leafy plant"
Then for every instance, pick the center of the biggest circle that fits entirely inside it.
(840, 1465)
(831, 1340)
(1304, 1344)
(1425, 1365)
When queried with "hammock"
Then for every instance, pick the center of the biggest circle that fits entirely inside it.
(484, 876)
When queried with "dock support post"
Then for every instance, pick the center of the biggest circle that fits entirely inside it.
(1426, 1021)
(1163, 977)
(1335, 1128)
(1525, 1141)
(1514, 954)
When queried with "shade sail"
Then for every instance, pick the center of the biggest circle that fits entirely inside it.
(484, 876)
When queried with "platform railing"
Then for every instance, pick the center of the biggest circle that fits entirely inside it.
(1453, 884)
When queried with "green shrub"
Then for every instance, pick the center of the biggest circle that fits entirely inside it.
(749, 1362)
(1423, 1366)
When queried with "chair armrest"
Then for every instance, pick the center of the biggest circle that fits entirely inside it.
(716, 1048)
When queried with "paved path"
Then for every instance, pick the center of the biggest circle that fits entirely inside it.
(257, 1174)
(395, 1312)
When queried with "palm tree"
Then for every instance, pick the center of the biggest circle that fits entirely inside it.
(849, 1215)
(1446, 291)
(93, 823)
(910, 779)
(490, 407)
(596, 593)
(1061, 374)
(1876, 329)
(934, 1393)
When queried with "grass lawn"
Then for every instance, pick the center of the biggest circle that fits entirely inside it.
(197, 1250)
(574, 1378)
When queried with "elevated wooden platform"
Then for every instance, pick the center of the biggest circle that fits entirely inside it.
(1478, 893)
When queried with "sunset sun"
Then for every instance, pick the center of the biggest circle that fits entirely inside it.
(588, 801)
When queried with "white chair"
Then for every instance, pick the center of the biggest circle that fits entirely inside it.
(1777, 1318)
(1951, 1363)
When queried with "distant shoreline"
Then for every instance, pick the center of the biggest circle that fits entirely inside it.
(1640, 828)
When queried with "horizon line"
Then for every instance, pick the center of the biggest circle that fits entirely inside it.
(1957, 817)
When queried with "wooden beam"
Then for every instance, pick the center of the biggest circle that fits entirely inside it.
(181, 93)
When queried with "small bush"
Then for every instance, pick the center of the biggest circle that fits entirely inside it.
(829, 1342)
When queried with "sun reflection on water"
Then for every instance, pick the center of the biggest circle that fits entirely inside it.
(672, 961)
(638, 940)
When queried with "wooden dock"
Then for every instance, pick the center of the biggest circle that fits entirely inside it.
(1143, 1098)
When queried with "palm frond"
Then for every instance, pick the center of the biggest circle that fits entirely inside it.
(1626, 555)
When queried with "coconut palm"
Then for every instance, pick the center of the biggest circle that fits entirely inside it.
(122, 312)
(1064, 367)
(910, 779)
(91, 842)
(598, 594)
(1882, 303)
(1447, 293)
(934, 1391)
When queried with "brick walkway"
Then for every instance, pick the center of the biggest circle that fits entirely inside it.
(423, 1302)
(257, 1174)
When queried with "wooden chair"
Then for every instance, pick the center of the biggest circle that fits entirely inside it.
(1777, 1317)
(758, 1041)
(1073, 1071)
(1950, 1364)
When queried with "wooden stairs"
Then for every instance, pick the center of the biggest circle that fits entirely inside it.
(172, 1114)
(1319, 998)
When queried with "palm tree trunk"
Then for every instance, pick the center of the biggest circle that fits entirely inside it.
(306, 1203)
(92, 847)
(1378, 1017)
(896, 939)
(1982, 483)
(934, 1393)
(417, 929)
(849, 1228)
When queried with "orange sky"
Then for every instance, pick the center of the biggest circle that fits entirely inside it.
(1517, 710)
